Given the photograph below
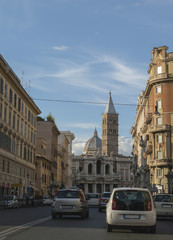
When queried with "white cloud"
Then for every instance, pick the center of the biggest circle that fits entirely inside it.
(125, 146)
(81, 125)
(61, 48)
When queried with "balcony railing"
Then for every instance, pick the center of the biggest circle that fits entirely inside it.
(160, 162)
(160, 128)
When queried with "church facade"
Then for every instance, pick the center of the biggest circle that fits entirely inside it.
(100, 168)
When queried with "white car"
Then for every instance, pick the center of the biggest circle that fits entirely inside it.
(131, 208)
(92, 199)
(47, 200)
(164, 205)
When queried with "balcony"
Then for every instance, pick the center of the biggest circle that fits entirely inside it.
(164, 162)
(160, 128)
(148, 118)
(149, 149)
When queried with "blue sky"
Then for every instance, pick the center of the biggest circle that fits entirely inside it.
(79, 50)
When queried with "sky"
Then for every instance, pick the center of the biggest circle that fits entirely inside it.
(69, 54)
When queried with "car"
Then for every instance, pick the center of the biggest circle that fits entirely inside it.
(93, 199)
(47, 200)
(164, 205)
(69, 202)
(37, 200)
(103, 200)
(131, 208)
(10, 201)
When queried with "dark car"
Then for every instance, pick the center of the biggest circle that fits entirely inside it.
(104, 200)
(37, 201)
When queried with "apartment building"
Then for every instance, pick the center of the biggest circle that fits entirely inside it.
(152, 131)
(48, 130)
(18, 114)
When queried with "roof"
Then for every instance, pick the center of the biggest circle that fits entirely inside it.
(110, 106)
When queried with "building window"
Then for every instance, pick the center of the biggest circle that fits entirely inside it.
(159, 138)
(19, 104)
(107, 169)
(159, 154)
(9, 117)
(15, 100)
(5, 114)
(1, 106)
(158, 89)
(159, 121)
(159, 172)
(90, 168)
(159, 104)
(98, 167)
(6, 90)
(11, 96)
(14, 121)
(2, 86)
(159, 69)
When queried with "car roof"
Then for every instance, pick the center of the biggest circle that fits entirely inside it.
(131, 188)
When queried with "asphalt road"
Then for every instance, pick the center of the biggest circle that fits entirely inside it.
(36, 224)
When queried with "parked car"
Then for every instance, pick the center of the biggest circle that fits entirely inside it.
(103, 200)
(93, 199)
(69, 202)
(131, 208)
(47, 200)
(37, 201)
(164, 205)
(10, 201)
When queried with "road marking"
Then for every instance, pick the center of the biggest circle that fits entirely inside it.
(4, 233)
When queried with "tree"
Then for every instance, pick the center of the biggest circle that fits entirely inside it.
(50, 118)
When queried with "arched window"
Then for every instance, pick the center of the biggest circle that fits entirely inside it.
(90, 166)
(107, 169)
(98, 167)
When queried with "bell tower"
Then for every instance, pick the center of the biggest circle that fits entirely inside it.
(110, 129)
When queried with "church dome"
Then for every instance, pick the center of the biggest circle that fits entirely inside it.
(93, 145)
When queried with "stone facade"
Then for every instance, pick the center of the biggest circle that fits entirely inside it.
(152, 130)
(18, 114)
(99, 170)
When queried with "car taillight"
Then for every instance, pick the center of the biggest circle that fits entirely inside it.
(101, 199)
(80, 196)
(149, 206)
(114, 205)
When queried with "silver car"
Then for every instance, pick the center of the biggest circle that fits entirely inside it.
(69, 202)
(164, 205)
(104, 199)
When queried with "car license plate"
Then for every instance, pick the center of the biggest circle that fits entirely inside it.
(67, 207)
(131, 216)
(166, 206)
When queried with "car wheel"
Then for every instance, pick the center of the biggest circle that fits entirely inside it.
(59, 216)
(108, 228)
(100, 209)
(87, 214)
(152, 229)
(83, 215)
(54, 215)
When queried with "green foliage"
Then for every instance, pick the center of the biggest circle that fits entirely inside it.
(50, 118)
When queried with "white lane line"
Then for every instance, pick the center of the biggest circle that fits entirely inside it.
(21, 227)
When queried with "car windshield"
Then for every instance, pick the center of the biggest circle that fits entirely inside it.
(107, 195)
(67, 194)
(163, 198)
(133, 200)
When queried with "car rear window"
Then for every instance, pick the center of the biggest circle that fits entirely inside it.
(132, 200)
(67, 194)
(163, 198)
(106, 195)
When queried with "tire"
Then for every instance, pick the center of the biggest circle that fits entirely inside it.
(59, 216)
(152, 229)
(87, 214)
(83, 215)
(108, 228)
(100, 209)
(54, 216)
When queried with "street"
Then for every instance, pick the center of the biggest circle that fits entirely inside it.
(36, 223)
